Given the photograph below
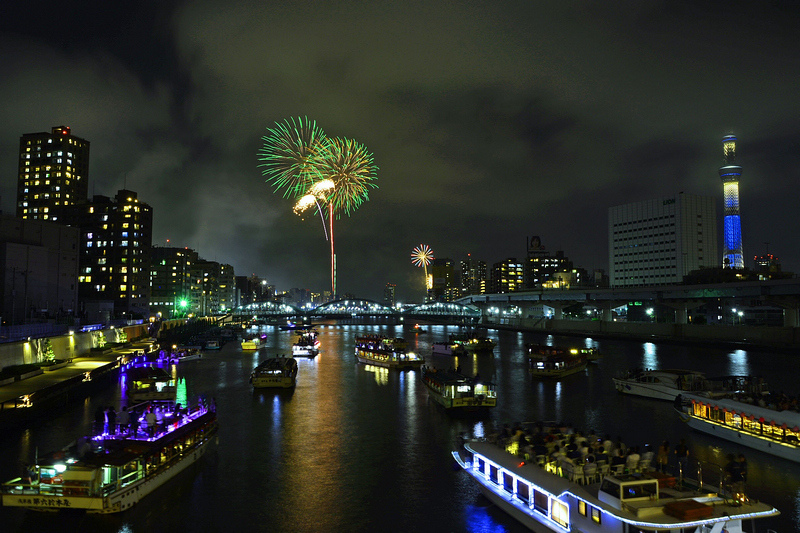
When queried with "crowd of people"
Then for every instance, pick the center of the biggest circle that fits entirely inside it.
(143, 421)
(565, 447)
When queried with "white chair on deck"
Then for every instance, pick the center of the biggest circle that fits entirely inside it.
(591, 473)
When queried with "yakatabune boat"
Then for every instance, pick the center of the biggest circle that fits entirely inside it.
(275, 372)
(306, 344)
(553, 362)
(455, 391)
(542, 500)
(111, 471)
(386, 352)
(749, 424)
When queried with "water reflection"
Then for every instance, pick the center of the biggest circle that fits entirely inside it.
(649, 358)
(738, 363)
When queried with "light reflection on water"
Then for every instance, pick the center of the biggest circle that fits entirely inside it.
(353, 448)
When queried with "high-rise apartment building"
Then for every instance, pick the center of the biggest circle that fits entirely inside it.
(114, 259)
(445, 288)
(53, 174)
(507, 276)
(171, 280)
(729, 173)
(473, 276)
(658, 242)
(389, 294)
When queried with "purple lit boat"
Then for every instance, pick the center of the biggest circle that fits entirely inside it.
(112, 470)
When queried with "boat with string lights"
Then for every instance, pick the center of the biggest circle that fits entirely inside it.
(761, 427)
(307, 343)
(386, 352)
(473, 343)
(554, 362)
(110, 472)
(544, 497)
(454, 391)
(275, 373)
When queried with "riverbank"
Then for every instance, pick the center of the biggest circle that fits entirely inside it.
(782, 339)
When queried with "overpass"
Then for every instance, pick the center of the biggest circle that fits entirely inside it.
(783, 293)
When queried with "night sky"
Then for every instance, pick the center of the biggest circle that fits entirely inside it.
(489, 121)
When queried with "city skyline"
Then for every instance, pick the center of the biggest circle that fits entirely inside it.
(488, 125)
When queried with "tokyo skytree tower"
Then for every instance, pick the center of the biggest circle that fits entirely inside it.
(732, 255)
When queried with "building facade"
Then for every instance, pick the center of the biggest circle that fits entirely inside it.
(657, 242)
(53, 173)
(444, 287)
(39, 264)
(114, 260)
(473, 276)
(541, 265)
(507, 276)
(171, 280)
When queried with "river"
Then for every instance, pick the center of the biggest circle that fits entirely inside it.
(356, 448)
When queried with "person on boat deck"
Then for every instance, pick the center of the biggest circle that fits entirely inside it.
(648, 454)
(735, 474)
(618, 459)
(662, 458)
(111, 416)
(99, 420)
(150, 417)
(682, 454)
(601, 455)
(124, 419)
(633, 458)
(608, 444)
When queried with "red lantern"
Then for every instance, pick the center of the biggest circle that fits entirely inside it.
(761, 419)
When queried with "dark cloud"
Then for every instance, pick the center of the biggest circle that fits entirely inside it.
(488, 124)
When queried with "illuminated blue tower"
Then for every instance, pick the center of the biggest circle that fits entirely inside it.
(732, 255)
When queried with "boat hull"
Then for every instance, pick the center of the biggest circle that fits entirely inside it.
(785, 451)
(557, 374)
(387, 361)
(648, 390)
(282, 382)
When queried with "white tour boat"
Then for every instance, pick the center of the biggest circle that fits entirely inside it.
(668, 383)
(624, 503)
(447, 348)
(749, 424)
(110, 472)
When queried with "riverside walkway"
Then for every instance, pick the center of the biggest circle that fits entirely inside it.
(65, 382)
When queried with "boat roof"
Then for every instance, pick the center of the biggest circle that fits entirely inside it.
(142, 373)
(452, 377)
(790, 418)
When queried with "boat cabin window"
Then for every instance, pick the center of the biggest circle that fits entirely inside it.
(610, 487)
(644, 490)
(540, 501)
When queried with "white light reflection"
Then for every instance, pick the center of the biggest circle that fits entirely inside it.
(738, 363)
(649, 359)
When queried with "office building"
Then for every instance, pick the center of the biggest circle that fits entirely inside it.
(657, 242)
(53, 174)
(729, 173)
(541, 265)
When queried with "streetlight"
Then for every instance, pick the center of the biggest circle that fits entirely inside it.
(650, 312)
